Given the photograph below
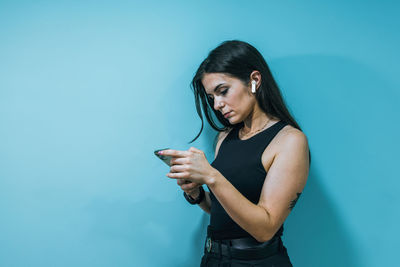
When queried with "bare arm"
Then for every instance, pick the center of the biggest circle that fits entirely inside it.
(284, 182)
(206, 203)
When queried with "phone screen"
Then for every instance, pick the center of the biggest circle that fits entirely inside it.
(166, 159)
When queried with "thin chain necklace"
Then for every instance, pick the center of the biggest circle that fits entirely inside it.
(255, 131)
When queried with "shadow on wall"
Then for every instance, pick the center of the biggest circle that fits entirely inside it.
(335, 98)
(315, 234)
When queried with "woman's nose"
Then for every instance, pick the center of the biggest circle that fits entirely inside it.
(218, 104)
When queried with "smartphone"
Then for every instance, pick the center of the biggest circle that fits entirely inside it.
(166, 159)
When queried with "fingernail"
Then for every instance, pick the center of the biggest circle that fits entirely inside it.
(159, 152)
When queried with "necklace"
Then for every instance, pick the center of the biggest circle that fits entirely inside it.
(254, 131)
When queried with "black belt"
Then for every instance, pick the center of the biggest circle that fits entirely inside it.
(244, 248)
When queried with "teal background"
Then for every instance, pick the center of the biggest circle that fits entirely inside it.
(88, 89)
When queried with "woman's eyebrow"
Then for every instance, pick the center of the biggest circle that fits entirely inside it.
(218, 86)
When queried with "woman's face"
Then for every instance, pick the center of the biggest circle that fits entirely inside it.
(231, 97)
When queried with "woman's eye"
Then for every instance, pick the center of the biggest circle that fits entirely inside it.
(224, 92)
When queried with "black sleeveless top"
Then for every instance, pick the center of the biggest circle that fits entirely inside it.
(239, 161)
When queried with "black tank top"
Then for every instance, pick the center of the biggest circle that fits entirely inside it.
(239, 161)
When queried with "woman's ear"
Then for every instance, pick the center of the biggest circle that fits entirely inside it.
(255, 76)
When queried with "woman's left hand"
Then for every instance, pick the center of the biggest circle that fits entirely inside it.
(191, 165)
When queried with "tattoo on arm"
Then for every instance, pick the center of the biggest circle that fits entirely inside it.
(293, 202)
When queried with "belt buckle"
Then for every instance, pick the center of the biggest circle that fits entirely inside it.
(208, 244)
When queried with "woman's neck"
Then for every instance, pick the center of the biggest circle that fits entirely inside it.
(255, 121)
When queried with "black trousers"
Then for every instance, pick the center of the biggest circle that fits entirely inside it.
(279, 259)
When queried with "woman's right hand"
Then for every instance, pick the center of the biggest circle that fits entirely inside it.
(190, 188)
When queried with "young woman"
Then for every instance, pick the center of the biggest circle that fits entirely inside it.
(261, 159)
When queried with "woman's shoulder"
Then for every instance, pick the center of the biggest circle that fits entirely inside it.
(289, 141)
(290, 138)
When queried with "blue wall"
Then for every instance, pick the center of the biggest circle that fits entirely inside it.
(89, 89)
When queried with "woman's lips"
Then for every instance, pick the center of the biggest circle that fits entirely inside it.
(227, 114)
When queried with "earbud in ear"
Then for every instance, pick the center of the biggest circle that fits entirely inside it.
(253, 86)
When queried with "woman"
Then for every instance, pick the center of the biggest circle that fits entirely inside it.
(261, 159)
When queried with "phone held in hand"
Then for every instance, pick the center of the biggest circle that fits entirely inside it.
(165, 159)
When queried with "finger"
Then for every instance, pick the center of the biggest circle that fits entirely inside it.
(173, 153)
(178, 168)
(189, 187)
(178, 175)
(185, 181)
(182, 181)
(193, 149)
(176, 161)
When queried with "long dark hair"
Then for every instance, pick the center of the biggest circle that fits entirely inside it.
(238, 59)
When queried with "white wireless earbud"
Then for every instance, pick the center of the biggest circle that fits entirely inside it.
(253, 86)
